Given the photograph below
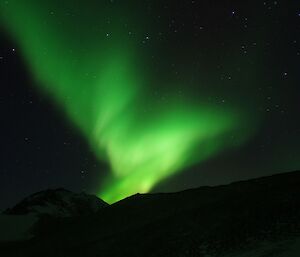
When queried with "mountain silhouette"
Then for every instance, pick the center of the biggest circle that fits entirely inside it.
(254, 218)
(58, 202)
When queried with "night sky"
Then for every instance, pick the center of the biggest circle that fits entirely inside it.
(119, 97)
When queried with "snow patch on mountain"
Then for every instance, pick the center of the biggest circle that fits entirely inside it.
(58, 203)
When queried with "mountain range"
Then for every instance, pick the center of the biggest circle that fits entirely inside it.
(254, 218)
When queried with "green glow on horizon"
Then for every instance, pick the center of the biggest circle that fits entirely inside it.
(96, 79)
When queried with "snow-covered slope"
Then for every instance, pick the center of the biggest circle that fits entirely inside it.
(283, 248)
(58, 203)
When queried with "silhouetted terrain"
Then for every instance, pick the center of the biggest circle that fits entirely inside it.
(255, 218)
(58, 203)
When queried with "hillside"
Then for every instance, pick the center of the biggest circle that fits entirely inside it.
(255, 218)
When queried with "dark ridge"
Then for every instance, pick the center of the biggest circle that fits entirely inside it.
(57, 202)
(255, 218)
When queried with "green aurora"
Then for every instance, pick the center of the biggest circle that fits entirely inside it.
(93, 70)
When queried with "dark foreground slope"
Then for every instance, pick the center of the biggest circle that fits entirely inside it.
(255, 218)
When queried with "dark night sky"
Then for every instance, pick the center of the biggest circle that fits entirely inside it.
(248, 50)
